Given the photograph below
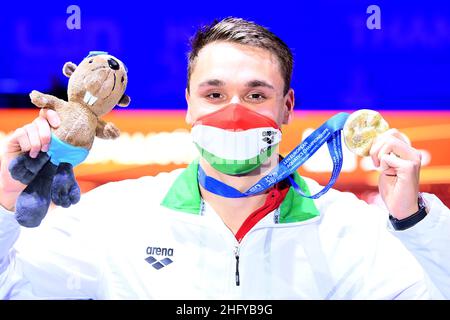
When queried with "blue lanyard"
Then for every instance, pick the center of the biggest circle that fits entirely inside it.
(329, 132)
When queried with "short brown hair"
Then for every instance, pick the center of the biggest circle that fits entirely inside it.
(244, 32)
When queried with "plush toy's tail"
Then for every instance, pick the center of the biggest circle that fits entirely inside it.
(33, 203)
(45, 182)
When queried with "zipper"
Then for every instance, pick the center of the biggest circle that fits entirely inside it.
(272, 196)
(236, 255)
(202, 207)
(276, 216)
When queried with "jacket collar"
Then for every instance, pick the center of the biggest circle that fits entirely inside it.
(184, 195)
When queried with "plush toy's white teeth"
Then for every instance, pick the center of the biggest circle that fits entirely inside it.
(93, 100)
(89, 98)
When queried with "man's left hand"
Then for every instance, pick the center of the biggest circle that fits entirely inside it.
(399, 165)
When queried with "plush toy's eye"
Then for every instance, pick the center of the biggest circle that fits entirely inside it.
(123, 79)
(90, 61)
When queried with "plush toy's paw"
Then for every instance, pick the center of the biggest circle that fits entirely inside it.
(31, 208)
(65, 196)
(33, 203)
(111, 131)
(37, 98)
(65, 190)
(24, 168)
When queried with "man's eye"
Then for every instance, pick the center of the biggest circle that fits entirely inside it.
(214, 95)
(256, 96)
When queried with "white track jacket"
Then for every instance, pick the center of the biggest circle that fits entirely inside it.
(155, 238)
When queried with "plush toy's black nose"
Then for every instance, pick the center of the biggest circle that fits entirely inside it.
(113, 64)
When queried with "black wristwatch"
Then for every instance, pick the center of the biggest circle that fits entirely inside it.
(412, 220)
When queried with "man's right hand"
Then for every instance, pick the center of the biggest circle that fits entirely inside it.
(33, 138)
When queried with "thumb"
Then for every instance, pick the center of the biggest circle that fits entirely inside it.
(389, 163)
(51, 116)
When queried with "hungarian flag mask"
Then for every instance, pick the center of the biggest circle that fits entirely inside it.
(234, 139)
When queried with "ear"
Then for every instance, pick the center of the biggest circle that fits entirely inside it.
(124, 101)
(69, 68)
(188, 117)
(289, 103)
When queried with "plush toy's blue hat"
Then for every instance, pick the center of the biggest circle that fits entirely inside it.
(97, 53)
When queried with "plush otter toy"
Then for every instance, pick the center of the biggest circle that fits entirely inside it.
(96, 85)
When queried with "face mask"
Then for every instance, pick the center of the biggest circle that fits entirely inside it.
(234, 139)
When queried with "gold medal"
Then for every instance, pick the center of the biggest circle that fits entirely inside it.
(361, 129)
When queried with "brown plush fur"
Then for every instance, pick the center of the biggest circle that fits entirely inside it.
(95, 88)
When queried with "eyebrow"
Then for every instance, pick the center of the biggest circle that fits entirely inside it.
(250, 84)
(259, 83)
(213, 83)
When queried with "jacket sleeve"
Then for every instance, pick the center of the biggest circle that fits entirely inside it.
(57, 260)
(381, 265)
(429, 242)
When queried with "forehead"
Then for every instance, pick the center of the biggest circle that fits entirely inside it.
(231, 62)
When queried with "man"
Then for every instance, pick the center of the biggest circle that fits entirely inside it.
(170, 237)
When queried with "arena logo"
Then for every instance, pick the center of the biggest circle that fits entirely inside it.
(158, 263)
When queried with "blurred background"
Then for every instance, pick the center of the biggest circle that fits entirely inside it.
(401, 70)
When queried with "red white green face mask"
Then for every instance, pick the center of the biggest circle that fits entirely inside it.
(234, 139)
